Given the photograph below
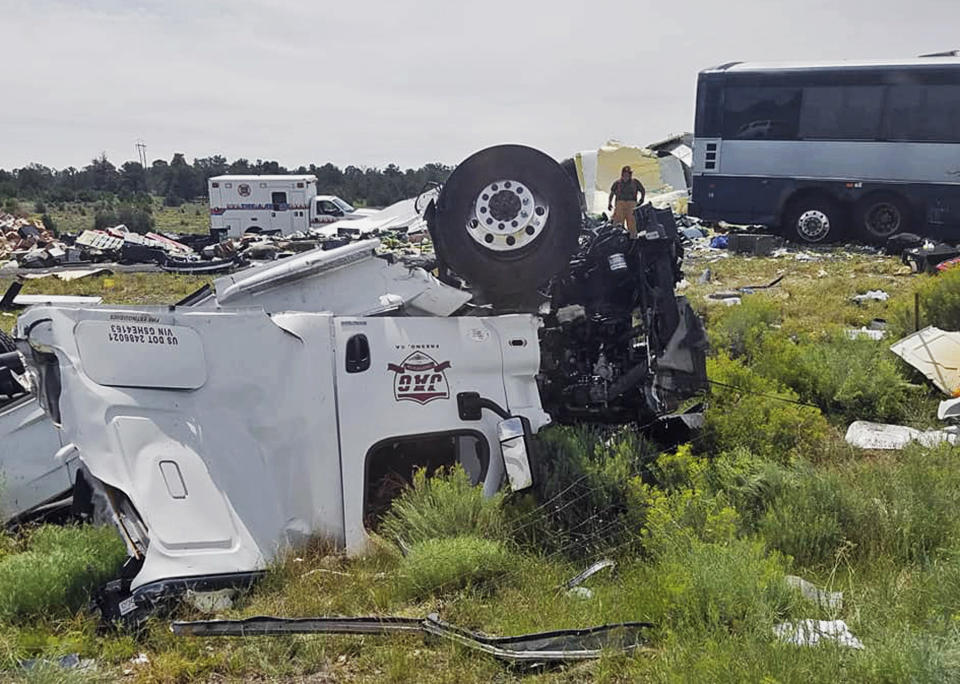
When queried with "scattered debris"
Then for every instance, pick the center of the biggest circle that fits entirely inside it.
(812, 632)
(832, 600)
(71, 661)
(545, 647)
(936, 354)
(210, 601)
(68, 275)
(755, 244)
(949, 409)
(864, 331)
(927, 257)
(871, 296)
(12, 298)
(590, 572)
(580, 592)
(867, 435)
(749, 289)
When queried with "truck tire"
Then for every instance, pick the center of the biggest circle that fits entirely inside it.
(882, 215)
(507, 220)
(813, 219)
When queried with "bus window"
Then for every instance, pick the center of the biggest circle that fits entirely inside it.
(841, 112)
(926, 113)
(761, 112)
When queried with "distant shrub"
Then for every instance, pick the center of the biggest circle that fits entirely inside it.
(681, 509)
(904, 508)
(437, 566)
(445, 505)
(172, 201)
(734, 329)
(734, 586)
(585, 498)
(137, 218)
(939, 304)
(848, 379)
(57, 571)
(49, 223)
(39, 207)
(754, 416)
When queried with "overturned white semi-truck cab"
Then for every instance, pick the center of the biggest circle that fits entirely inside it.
(294, 399)
(219, 437)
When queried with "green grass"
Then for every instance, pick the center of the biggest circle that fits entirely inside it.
(702, 535)
(191, 217)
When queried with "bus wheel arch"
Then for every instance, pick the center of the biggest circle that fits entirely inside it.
(812, 216)
(882, 214)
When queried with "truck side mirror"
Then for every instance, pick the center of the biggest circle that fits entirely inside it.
(514, 436)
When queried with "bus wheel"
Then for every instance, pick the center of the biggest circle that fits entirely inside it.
(814, 219)
(881, 216)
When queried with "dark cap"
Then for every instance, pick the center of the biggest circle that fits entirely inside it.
(626, 169)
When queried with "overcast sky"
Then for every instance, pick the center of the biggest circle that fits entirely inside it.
(370, 83)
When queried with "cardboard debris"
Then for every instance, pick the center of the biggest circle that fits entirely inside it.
(936, 354)
(812, 632)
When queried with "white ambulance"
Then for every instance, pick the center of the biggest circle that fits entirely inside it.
(272, 204)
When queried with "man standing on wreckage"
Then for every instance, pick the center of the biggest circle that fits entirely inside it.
(625, 190)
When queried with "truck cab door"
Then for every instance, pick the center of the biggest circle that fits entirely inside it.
(397, 384)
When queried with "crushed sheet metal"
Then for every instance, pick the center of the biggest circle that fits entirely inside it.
(589, 572)
(68, 275)
(936, 354)
(867, 435)
(556, 646)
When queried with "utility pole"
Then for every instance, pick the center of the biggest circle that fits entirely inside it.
(142, 152)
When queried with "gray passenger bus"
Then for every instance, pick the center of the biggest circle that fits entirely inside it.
(829, 151)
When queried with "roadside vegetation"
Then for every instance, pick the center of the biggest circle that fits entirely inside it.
(703, 534)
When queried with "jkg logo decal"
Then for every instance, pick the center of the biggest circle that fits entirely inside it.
(420, 378)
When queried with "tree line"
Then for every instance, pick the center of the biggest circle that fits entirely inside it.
(178, 180)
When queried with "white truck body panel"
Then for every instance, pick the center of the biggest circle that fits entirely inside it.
(29, 475)
(349, 280)
(269, 442)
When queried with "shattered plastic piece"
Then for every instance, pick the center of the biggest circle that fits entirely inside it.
(210, 601)
(856, 333)
(867, 435)
(936, 354)
(825, 599)
(580, 592)
(949, 409)
(705, 276)
(589, 572)
(811, 632)
(872, 296)
(557, 646)
(71, 661)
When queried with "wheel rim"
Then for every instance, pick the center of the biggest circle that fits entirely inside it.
(883, 219)
(507, 216)
(813, 225)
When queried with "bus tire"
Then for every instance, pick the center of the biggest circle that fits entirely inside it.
(813, 219)
(879, 216)
(507, 220)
